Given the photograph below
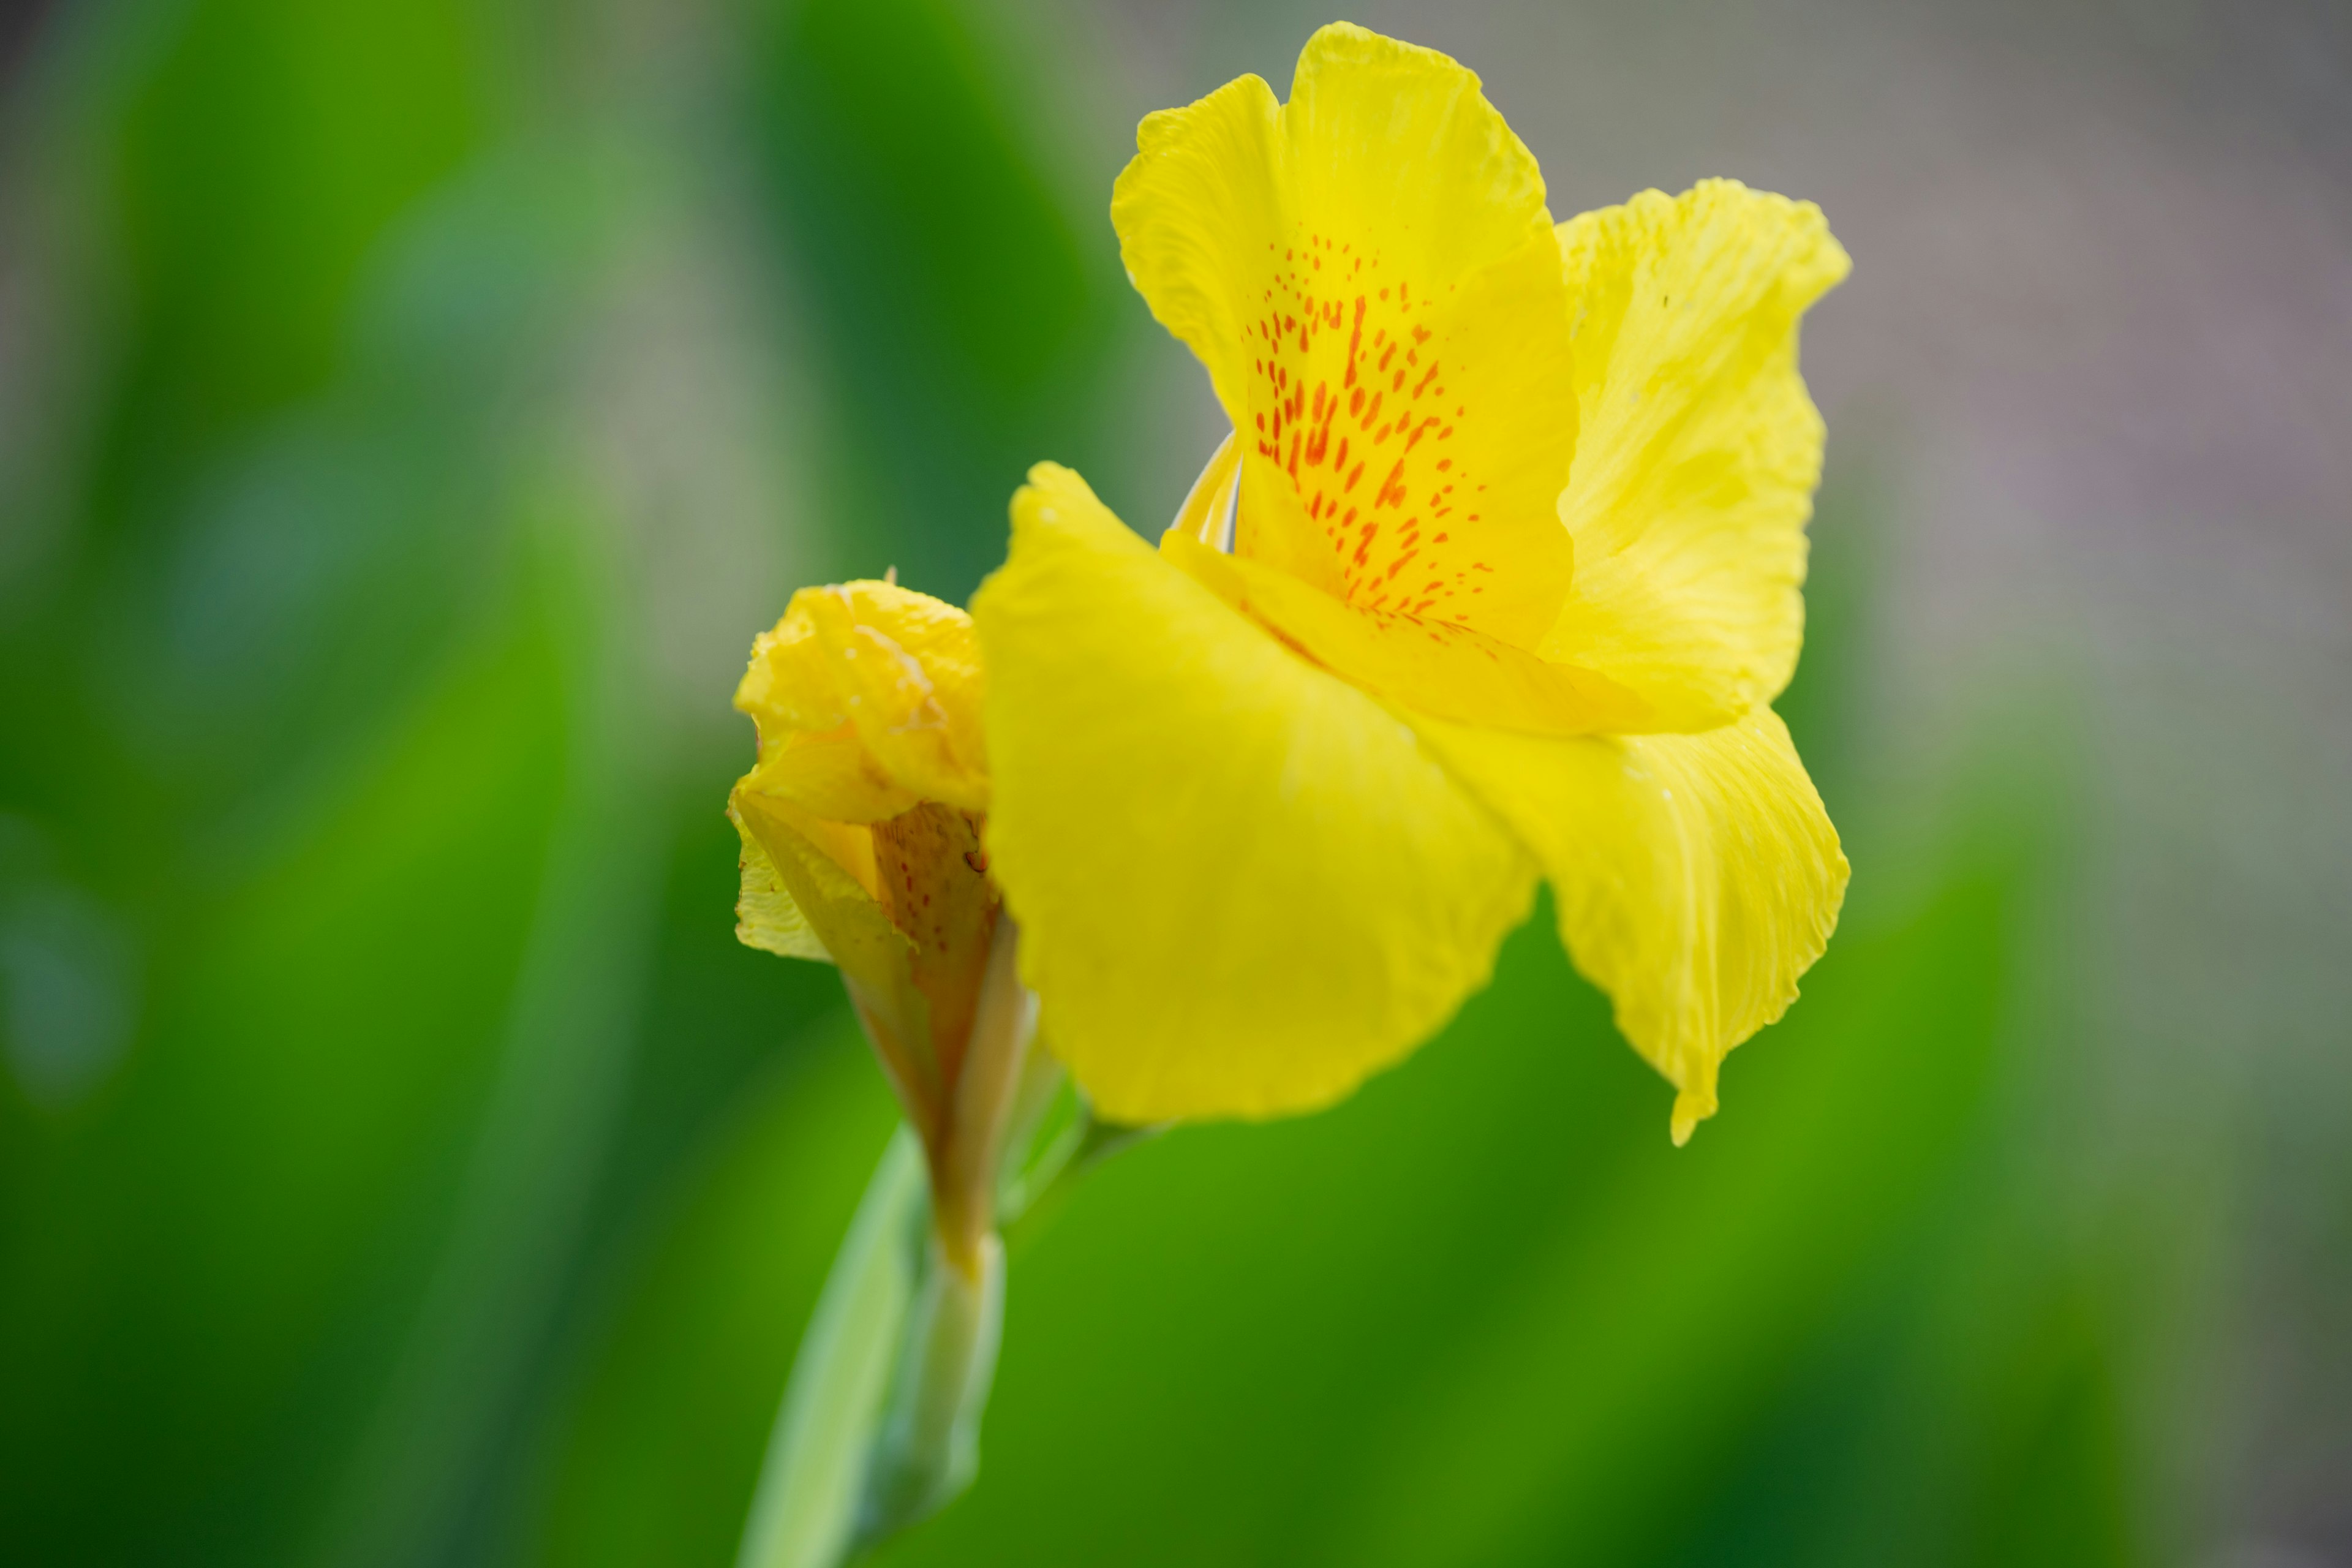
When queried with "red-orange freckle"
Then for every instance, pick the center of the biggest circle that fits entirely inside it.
(1447, 435)
(1398, 384)
(1384, 293)
(1357, 474)
(1420, 334)
(1341, 460)
(1380, 435)
(1387, 356)
(1425, 381)
(1441, 539)
(1443, 464)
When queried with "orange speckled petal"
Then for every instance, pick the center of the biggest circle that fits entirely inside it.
(1370, 274)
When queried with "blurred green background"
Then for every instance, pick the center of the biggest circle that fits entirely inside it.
(408, 413)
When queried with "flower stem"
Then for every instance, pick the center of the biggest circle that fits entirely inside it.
(808, 1511)
(929, 1447)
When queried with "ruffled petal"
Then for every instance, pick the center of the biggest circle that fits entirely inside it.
(1698, 449)
(889, 673)
(1242, 884)
(1370, 274)
(829, 774)
(1696, 876)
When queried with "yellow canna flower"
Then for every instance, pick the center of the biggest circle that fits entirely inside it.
(1495, 578)
(861, 824)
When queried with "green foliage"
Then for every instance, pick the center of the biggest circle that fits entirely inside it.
(959, 306)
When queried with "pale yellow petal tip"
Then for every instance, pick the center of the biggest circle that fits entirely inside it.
(1691, 1108)
(1352, 44)
(1045, 482)
(766, 916)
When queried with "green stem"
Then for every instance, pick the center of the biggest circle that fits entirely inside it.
(929, 1447)
(812, 1485)
(880, 1423)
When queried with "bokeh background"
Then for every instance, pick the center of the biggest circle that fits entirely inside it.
(409, 409)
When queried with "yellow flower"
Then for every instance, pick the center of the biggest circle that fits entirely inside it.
(861, 826)
(1497, 579)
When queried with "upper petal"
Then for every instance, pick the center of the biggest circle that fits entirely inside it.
(1242, 884)
(1697, 450)
(1696, 876)
(1369, 273)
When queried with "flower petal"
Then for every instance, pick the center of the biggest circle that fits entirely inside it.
(1432, 667)
(825, 870)
(836, 902)
(1370, 274)
(766, 917)
(1207, 513)
(828, 775)
(1698, 449)
(899, 670)
(1242, 884)
(1696, 876)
